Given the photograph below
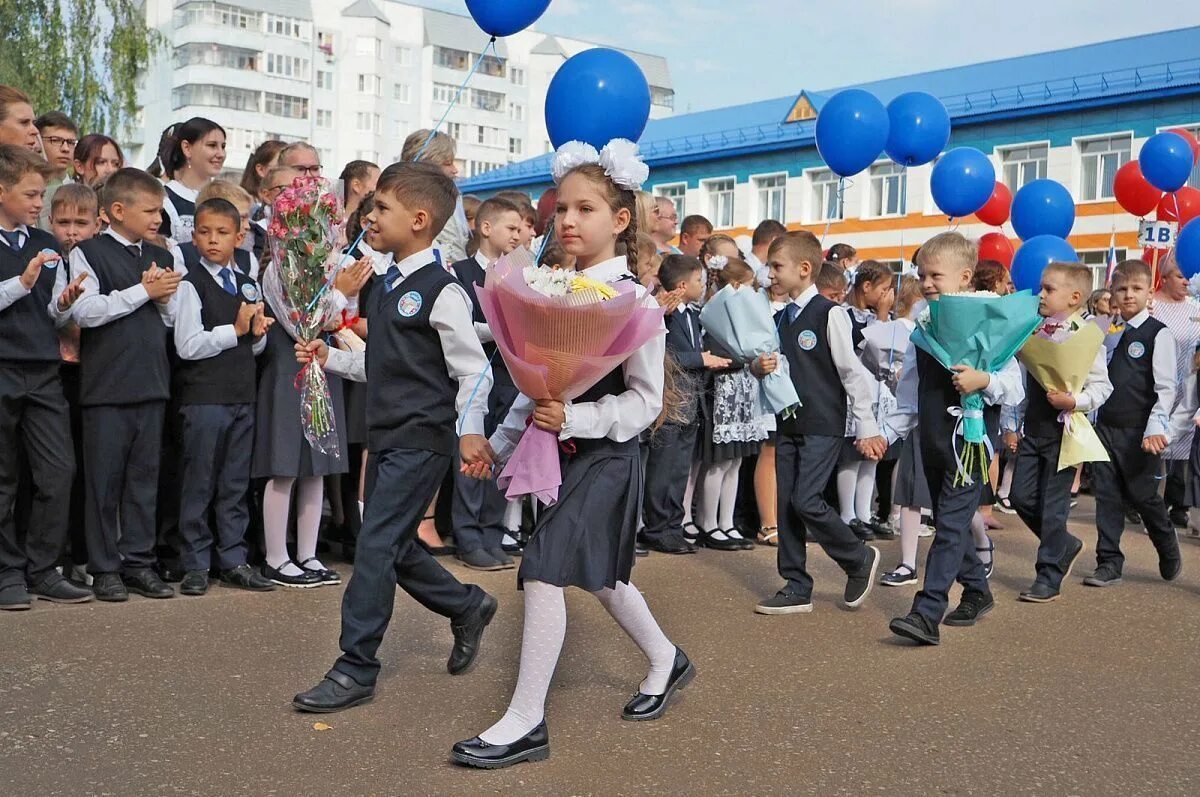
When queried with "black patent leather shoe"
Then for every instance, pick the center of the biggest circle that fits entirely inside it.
(244, 577)
(468, 632)
(337, 691)
(146, 582)
(533, 746)
(651, 707)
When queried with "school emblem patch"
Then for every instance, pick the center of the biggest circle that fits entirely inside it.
(409, 304)
(50, 264)
(807, 340)
(250, 292)
(1137, 349)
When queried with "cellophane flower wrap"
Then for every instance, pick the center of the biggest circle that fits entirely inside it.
(306, 236)
(559, 334)
(983, 331)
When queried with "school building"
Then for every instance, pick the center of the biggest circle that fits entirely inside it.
(1073, 115)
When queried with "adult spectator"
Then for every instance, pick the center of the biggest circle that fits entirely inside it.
(440, 149)
(694, 231)
(764, 235)
(303, 157)
(59, 136)
(16, 119)
(668, 224)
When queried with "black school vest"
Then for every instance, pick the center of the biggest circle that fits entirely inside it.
(1041, 419)
(124, 361)
(805, 343)
(612, 384)
(410, 395)
(229, 377)
(936, 393)
(1131, 371)
(856, 327)
(27, 333)
(471, 275)
(185, 209)
(191, 258)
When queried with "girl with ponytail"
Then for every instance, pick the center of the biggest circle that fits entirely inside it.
(190, 154)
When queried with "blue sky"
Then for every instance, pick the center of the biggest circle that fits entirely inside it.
(724, 52)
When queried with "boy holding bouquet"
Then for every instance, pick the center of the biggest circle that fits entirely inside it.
(930, 394)
(1041, 487)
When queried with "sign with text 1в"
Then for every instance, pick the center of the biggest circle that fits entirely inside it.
(1157, 234)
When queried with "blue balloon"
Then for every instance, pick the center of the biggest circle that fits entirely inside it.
(1187, 249)
(506, 17)
(852, 128)
(1033, 257)
(962, 181)
(1043, 207)
(918, 129)
(596, 96)
(1166, 161)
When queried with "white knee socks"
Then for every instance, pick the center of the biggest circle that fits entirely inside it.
(982, 541)
(309, 497)
(864, 490)
(276, 509)
(629, 609)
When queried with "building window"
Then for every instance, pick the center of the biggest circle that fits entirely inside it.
(484, 100)
(444, 92)
(662, 97)
(369, 84)
(515, 146)
(889, 185)
(516, 112)
(367, 155)
(451, 58)
(454, 130)
(771, 191)
(368, 45)
(1021, 165)
(325, 42)
(287, 66)
(516, 76)
(365, 122)
(324, 118)
(402, 92)
(216, 96)
(324, 80)
(1099, 159)
(676, 192)
(403, 56)
(287, 26)
(491, 65)
(286, 105)
(490, 136)
(215, 55)
(1097, 260)
(217, 14)
(827, 202)
(720, 202)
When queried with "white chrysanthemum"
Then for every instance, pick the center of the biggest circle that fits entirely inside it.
(623, 164)
(548, 281)
(1194, 286)
(570, 155)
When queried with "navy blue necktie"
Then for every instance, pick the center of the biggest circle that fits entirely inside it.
(227, 281)
(791, 312)
(13, 239)
(389, 279)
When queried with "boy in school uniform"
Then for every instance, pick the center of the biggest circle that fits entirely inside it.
(246, 260)
(35, 298)
(219, 330)
(946, 264)
(125, 382)
(1134, 425)
(425, 366)
(1041, 493)
(673, 445)
(478, 507)
(59, 136)
(815, 338)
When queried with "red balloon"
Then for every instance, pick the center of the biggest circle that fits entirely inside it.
(998, 207)
(1190, 138)
(1133, 191)
(1186, 200)
(995, 246)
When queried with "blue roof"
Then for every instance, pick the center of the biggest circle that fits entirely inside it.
(1153, 65)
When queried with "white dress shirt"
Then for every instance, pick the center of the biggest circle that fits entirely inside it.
(621, 417)
(12, 291)
(1165, 377)
(481, 327)
(192, 340)
(856, 380)
(1095, 391)
(96, 309)
(465, 360)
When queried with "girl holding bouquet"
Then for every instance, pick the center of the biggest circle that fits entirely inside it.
(586, 538)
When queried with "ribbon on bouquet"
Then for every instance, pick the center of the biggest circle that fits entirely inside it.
(963, 461)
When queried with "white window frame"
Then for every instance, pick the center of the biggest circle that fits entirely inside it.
(362, 46)
(516, 146)
(516, 111)
(1194, 129)
(403, 55)
(1099, 263)
(1077, 155)
(999, 152)
(402, 93)
(516, 75)
(818, 204)
(712, 201)
(883, 180)
(759, 197)
(325, 118)
(369, 84)
(325, 82)
(373, 122)
(679, 200)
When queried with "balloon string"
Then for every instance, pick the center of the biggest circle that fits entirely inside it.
(839, 206)
(491, 45)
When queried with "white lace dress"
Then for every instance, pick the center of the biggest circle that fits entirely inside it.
(1183, 319)
(736, 424)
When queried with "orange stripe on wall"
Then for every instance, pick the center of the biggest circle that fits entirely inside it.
(1125, 240)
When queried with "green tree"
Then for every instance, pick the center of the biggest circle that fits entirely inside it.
(82, 57)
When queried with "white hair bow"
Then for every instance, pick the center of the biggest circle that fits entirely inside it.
(619, 158)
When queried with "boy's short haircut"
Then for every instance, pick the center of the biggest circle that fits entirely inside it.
(676, 268)
(831, 277)
(1131, 269)
(766, 232)
(74, 196)
(16, 162)
(1077, 275)
(839, 252)
(221, 207)
(799, 245)
(55, 119)
(125, 184)
(951, 248)
(492, 209)
(420, 186)
(695, 224)
(227, 190)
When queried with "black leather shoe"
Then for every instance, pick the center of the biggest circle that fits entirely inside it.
(638, 550)
(467, 634)
(329, 578)
(971, 607)
(1179, 517)
(533, 746)
(15, 598)
(503, 558)
(336, 691)
(666, 543)
(146, 582)
(917, 627)
(1039, 593)
(244, 577)
(306, 579)
(109, 587)
(1170, 568)
(650, 707)
(479, 559)
(727, 544)
(195, 582)
(58, 590)
(861, 530)
(170, 573)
